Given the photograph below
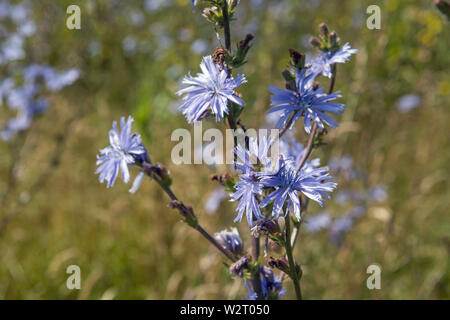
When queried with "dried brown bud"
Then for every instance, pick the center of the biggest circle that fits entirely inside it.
(186, 211)
(222, 179)
(281, 264)
(244, 43)
(297, 58)
(443, 6)
(239, 266)
(219, 56)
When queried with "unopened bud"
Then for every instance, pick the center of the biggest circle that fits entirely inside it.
(230, 240)
(324, 29)
(444, 7)
(315, 42)
(164, 174)
(186, 211)
(281, 223)
(275, 247)
(232, 4)
(239, 266)
(290, 80)
(211, 14)
(245, 43)
(281, 264)
(333, 38)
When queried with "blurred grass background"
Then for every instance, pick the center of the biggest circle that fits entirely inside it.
(132, 56)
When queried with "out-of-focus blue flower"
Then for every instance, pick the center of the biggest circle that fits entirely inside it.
(54, 80)
(323, 62)
(357, 212)
(214, 200)
(155, 5)
(249, 186)
(378, 193)
(339, 227)
(12, 49)
(25, 99)
(230, 240)
(343, 166)
(305, 101)
(210, 90)
(287, 181)
(122, 151)
(129, 45)
(408, 102)
(199, 46)
(292, 151)
(318, 222)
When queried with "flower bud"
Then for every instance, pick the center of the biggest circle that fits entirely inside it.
(275, 247)
(239, 266)
(245, 43)
(290, 80)
(232, 4)
(297, 58)
(186, 211)
(164, 174)
(315, 42)
(230, 240)
(211, 14)
(324, 29)
(444, 7)
(333, 38)
(281, 264)
(281, 222)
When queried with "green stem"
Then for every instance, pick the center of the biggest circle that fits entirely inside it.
(293, 270)
(226, 26)
(256, 276)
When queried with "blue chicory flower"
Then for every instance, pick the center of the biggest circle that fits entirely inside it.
(323, 62)
(288, 180)
(249, 187)
(209, 91)
(305, 101)
(122, 152)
